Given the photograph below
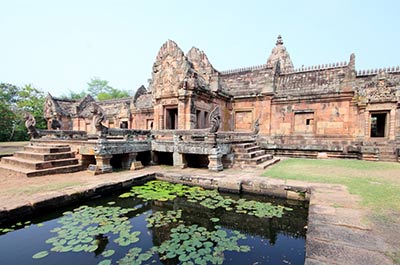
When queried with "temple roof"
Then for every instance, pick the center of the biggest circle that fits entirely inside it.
(280, 54)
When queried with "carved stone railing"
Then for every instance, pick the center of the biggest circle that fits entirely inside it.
(129, 134)
(193, 135)
(63, 134)
(235, 137)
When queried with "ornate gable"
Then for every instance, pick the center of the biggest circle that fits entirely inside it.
(169, 70)
(201, 64)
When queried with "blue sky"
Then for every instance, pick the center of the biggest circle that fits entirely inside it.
(60, 45)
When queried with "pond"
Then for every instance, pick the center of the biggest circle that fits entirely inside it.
(162, 223)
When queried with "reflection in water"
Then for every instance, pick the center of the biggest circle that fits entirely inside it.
(271, 240)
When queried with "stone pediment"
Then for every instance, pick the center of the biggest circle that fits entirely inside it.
(201, 64)
(379, 89)
(169, 71)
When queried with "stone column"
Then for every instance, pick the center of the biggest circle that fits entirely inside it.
(127, 160)
(215, 163)
(154, 158)
(179, 160)
(103, 163)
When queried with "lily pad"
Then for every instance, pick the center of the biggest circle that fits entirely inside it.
(40, 254)
(108, 253)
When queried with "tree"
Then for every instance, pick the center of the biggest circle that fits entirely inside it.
(74, 95)
(101, 90)
(14, 102)
(8, 97)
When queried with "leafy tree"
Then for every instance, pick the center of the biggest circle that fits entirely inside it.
(101, 90)
(74, 95)
(14, 102)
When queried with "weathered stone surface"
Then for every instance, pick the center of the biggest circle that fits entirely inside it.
(332, 253)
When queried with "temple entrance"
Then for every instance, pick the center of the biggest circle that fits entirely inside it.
(378, 124)
(171, 118)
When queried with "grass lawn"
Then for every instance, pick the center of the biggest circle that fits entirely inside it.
(377, 184)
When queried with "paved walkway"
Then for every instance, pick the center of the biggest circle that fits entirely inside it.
(337, 232)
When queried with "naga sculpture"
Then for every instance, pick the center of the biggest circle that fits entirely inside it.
(98, 119)
(30, 124)
(256, 126)
(215, 120)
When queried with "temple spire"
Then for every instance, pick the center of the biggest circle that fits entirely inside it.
(279, 40)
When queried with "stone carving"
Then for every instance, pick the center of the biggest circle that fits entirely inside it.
(30, 124)
(280, 54)
(256, 126)
(215, 120)
(169, 70)
(139, 92)
(98, 119)
(48, 107)
(380, 89)
(55, 124)
(201, 64)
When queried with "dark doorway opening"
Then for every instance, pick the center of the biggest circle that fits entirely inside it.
(171, 118)
(165, 158)
(144, 157)
(123, 125)
(197, 161)
(116, 161)
(378, 124)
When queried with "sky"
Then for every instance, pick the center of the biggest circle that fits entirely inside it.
(59, 46)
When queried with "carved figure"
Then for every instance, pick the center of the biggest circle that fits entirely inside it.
(256, 126)
(98, 119)
(30, 124)
(215, 120)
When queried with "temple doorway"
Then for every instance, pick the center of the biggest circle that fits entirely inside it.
(171, 121)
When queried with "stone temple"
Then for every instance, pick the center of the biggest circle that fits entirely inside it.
(329, 110)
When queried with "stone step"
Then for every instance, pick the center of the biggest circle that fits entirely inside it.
(250, 154)
(43, 156)
(49, 171)
(47, 148)
(37, 165)
(254, 160)
(262, 165)
(244, 146)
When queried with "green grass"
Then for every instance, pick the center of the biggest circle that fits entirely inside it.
(377, 183)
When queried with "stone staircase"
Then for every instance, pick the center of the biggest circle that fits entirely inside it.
(40, 160)
(250, 155)
(388, 153)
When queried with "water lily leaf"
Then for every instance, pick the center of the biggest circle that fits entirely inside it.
(105, 262)
(214, 220)
(40, 254)
(108, 253)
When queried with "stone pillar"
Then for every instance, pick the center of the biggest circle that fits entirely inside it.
(127, 160)
(179, 160)
(103, 163)
(215, 163)
(154, 158)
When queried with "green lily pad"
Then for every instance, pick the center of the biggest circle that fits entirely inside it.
(40, 254)
(108, 253)
(105, 262)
